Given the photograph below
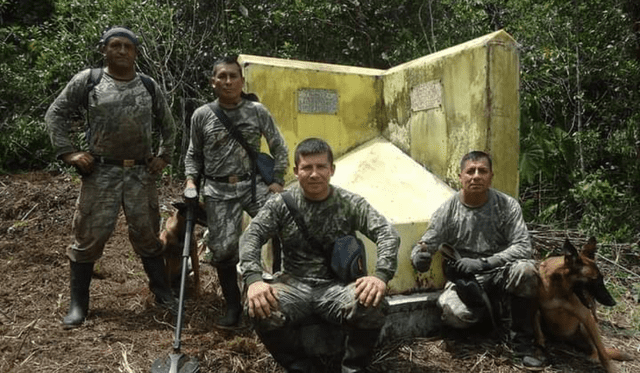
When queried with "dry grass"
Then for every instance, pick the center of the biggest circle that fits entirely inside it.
(126, 333)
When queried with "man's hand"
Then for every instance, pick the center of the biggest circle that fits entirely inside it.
(190, 184)
(83, 161)
(190, 193)
(370, 290)
(275, 188)
(156, 165)
(261, 298)
(421, 261)
(468, 265)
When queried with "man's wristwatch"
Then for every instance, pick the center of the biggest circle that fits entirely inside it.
(485, 264)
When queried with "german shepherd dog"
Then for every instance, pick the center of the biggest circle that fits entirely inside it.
(569, 288)
(172, 238)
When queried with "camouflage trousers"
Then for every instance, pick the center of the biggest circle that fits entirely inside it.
(98, 205)
(224, 223)
(333, 302)
(519, 278)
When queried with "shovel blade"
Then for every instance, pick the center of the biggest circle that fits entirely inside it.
(176, 363)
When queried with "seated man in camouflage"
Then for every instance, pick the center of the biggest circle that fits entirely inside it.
(486, 229)
(307, 286)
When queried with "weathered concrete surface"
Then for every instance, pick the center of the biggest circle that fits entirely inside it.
(395, 184)
(441, 106)
(435, 108)
(399, 188)
(410, 316)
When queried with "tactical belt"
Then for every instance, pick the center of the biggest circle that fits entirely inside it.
(121, 162)
(231, 179)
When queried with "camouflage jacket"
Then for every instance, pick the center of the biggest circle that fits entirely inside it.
(122, 117)
(494, 230)
(340, 214)
(214, 152)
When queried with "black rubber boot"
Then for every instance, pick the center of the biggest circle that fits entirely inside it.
(228, 278)
(359, 349)
(523, 341)
(79, 304)
(283, 345)
(154, 267)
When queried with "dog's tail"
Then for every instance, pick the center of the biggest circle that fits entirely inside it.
(616, 354)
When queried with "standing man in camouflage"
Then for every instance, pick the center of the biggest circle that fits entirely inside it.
(307, 286)
(120, 167)
(227, 170)
(487, 229)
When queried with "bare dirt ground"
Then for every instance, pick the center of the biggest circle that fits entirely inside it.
(125, 332)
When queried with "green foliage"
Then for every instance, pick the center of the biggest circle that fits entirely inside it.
(25, 147)
(607, 209)
(579, 137)
(38, 60)
(580, 73)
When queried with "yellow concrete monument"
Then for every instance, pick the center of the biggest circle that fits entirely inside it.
(399, 134)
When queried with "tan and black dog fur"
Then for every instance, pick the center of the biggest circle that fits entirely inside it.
(172, 238)
(569, 287)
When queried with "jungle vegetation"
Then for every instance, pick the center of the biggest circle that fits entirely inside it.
(580, 76)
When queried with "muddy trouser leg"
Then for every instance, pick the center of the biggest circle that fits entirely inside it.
(140, 204)
(338, 304)
(93, 222)
(362, 329)
(280, 332)
(80, 283)
(227, 275)
(224, 221)
(519, 280)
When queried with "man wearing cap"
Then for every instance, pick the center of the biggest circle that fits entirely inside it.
(119, 167)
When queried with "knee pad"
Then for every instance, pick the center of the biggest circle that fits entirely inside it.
(454, 312)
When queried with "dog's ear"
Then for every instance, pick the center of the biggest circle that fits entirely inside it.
(589, 249)
(570, 253)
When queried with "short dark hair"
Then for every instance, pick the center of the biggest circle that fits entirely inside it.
(226, 60)
(474, 156)
(313, 145)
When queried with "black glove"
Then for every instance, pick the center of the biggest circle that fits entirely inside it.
(469, 265)
(422, 261)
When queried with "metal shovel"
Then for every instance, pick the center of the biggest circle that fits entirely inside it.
(178, 362)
